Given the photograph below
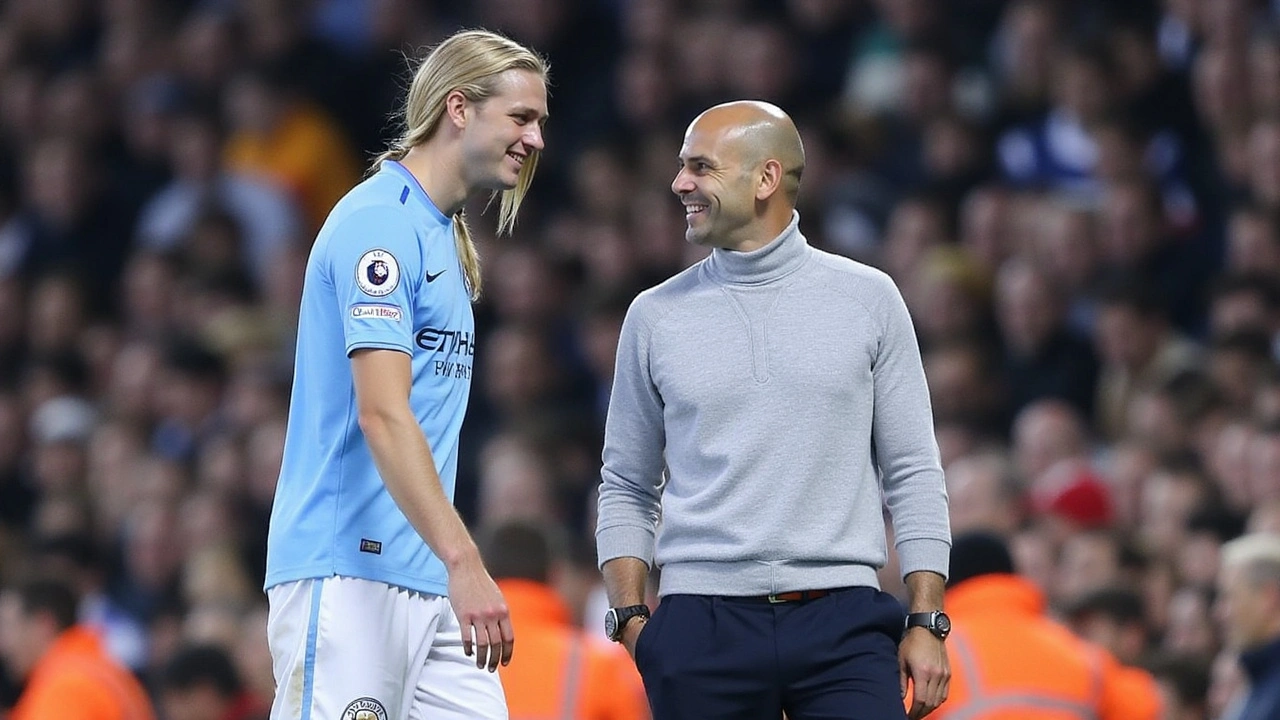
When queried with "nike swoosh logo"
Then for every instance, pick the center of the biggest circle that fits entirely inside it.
(432, 278)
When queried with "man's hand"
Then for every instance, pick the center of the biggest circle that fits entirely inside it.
(631, 634)
(922, 657)
(483, 614)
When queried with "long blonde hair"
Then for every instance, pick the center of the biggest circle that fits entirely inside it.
(469, 62)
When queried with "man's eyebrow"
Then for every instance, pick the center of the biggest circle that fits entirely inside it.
(695, 159)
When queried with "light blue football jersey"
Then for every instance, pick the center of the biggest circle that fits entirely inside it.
(383, 273)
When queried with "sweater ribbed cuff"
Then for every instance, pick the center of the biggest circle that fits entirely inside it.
(625, 541)
(924, 554)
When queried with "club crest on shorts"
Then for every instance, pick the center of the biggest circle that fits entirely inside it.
(365, 708)
(377, 273)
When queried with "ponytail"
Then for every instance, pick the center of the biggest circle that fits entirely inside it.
(467, 254)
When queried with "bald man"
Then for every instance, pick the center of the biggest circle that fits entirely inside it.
(768, 402)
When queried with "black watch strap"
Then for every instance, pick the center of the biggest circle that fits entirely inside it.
(617, 618)
(934, 621)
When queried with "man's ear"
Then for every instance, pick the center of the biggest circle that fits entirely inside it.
(455, 108)
(769, 180)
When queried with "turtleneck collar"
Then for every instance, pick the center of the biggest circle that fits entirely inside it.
(781, 257)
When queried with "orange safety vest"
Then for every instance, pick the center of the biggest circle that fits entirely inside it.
(557, 671)
(77, 680)
(1011, 662)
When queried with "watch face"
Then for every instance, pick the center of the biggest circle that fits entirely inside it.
(943, 623)
(611, 624)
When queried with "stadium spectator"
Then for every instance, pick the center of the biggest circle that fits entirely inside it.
(67, 671)
(1111, 617)
(280, 137)
(1137, 347)
(1184, 686)
(1248, 603)
(1043, 357)
(200, 682)
(266, 216)
(983, 493)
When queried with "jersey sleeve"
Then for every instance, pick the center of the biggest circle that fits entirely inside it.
(376, 268)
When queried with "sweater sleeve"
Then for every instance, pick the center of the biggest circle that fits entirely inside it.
(905, 447)
(634, 441)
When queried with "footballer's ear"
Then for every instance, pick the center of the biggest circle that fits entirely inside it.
(455, 108)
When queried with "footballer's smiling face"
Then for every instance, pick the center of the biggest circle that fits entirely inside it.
(505, 130)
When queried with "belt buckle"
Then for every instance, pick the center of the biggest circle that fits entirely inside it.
(776, 600)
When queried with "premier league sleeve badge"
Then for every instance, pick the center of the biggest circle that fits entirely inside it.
(377, 273)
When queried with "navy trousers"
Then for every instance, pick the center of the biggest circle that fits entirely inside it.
(718, 658)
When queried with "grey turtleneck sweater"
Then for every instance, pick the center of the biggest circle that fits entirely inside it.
(779, 394)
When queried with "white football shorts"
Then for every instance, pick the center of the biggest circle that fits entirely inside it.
(352, 649)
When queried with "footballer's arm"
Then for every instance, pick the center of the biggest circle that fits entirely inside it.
(383, 380)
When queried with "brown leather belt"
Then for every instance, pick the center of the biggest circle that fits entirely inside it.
(794, 596)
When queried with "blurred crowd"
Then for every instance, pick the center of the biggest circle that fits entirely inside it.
(1080, 200)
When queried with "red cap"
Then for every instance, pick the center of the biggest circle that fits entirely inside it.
(1081, 497)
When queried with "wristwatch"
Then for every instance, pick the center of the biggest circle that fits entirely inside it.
(616, 619)
(935, 622)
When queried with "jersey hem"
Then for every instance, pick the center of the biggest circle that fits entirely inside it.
(408, 582)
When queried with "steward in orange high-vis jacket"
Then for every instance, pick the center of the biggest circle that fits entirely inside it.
(1009, 661)
(561, 672)
(68, 673)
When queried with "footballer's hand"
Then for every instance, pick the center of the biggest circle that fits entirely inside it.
(483, 615)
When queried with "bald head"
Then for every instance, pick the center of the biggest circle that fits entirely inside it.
(757, 132)
(739, 176)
